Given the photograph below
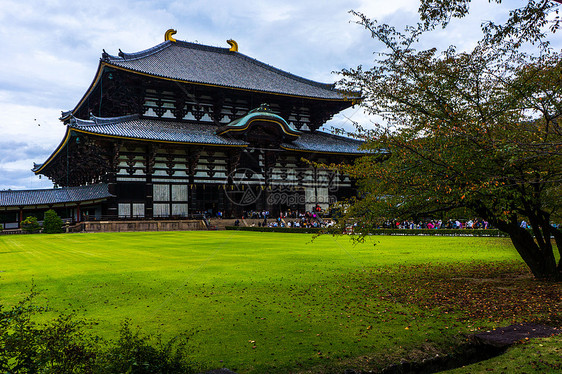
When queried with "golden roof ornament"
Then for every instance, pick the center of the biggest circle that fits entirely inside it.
(233, 45)
(168, 35)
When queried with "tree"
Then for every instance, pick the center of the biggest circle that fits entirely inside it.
(30, 225)
(52, 223)
(477, 130)
(526, 24)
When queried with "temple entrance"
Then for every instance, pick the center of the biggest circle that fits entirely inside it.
(282, 200)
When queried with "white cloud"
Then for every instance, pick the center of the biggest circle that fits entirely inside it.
(383, 9)
(51, 50)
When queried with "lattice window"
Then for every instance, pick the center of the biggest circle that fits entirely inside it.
(124, 210)
(179, 210)
(161, 192)
(161, 210)
(138, 210)
(179, 192)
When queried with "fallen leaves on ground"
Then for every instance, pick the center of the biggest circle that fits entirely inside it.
(495, 292)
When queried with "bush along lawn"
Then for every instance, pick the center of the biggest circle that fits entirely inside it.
(279, 303)
(63, 345)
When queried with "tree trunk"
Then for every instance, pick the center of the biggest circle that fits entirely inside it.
(558, 240)
(540, 261)
(539, 258)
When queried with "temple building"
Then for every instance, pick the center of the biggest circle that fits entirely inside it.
(71, 203)
(184, 128)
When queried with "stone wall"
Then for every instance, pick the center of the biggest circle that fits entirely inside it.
(125, 226)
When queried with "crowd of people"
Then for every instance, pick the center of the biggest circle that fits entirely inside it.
(437, 224)
(264, 214)
(306, 221)
(316, 219)
(289, 218)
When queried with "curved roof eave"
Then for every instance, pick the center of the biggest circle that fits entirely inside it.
(242, 124)
(88, 92)
(55, 153)
(288, 148)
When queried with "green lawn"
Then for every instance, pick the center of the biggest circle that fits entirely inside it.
(263, 302)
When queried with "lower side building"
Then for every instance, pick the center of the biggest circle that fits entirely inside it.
(71, 203)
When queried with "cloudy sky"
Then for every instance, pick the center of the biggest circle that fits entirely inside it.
(50, 51)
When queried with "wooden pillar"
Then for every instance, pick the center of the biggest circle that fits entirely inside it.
(149, 171)
(112, 201)
(20, 217)
(270, 160)
(193, 155)
(232, 163)
(112, 180)
(190, 200)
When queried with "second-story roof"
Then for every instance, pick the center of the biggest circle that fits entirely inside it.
(136, 128)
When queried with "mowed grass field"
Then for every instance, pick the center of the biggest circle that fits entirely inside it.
(265, 302)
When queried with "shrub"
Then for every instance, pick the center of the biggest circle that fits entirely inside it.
(58, 346)
(30, 225)
(63, 346)
(134, 352)
(52, 223)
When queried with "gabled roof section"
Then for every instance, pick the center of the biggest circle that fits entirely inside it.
(260, 116)
(197, 63)
(54, 195)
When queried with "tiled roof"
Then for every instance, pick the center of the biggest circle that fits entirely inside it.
(54, 196)
(198, 63)
(154, 129)
(192, 133)
(319, 141)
